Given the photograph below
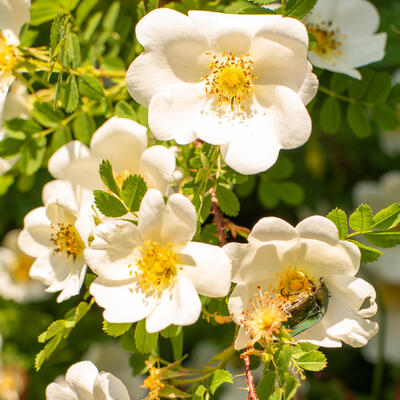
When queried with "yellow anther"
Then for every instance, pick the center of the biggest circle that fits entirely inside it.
(8, 55)
(153, 383)
(66, 240)
(158, 266)
(328, 40)
(230, 79)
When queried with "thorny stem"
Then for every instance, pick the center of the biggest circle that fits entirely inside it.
(249, 377)
(218, 218)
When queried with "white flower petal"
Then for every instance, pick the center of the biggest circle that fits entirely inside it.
(122, 142)
(73, 283)
(112, 250)
(163, 314)
(123, 301)
(333, 64)
(75, 162)
(60, 212)
(108, 387)
(172, 223)
(55, 391)
(184, 102)
(81, 377)
(157, 166)
(211, 269)
(309, 88)
(242, 339)
(14, 14)
(35, 239)
(318, 335)
(272, 228)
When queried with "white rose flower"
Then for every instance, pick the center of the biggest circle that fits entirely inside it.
(124, 143)
(15, 283)
(13, 15)
(390, 140)
(153, 270)
(56, 235)
(84, 382)
(291, 262)
(16, 106)
(379, 195)
(345, 33)
(239, 81)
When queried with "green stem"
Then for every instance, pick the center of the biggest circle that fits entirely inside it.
(344, 98)
(283, 8)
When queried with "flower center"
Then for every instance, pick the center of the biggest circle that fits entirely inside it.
(66, 240)
(264, 317)
(153, 383)
(230, 79)
(8, 55)
(21, 270)
(122, 176)
(158, 265)
(293, 282)
(328, 40)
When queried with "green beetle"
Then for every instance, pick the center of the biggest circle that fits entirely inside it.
(307, 309)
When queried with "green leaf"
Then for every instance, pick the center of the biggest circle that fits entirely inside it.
(60, 137)
(25, 126)
(283, 358)
(268, 194)
(124, 110)
(44, 11)
(199, 393)
(171, 392)
(32, 155)
(111, 17)
(133, 189)
(383, 239)
(330, 116)
(145, 342)
(54, 329)
(361, 219)
(262, 2)
(394, 96)
(299, 8)
(46, 115)
(282, 169)
(368, 254)
(138, 363)
(227, 200)
(70, 98)
(339, 82)
(385, 116)
(277, 395)
(358, 87)
(266, 386)
(387, 218)
(379, 88)
(83, 127)
(291, 193)
(219, 377)
(57, 32)
(108, 204)
(91, 87)
(205, 208)
(84, 9)
(312, 361)
(358, 120)
(10, 147)
(246, 189)
(71, 56)
(171, 331)
(107, 176)
(291, 385)
(46, 352)
(115, 330)
(339, 218)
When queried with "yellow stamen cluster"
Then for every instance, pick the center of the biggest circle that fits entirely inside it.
(264, 317)
(328, 40)
(22, 267)
(294, 282)
(8, 55)
(66, 240)
(230, 79)
(122, 176)
(158, 266)
(153, 383)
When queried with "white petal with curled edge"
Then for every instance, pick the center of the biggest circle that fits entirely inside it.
(208, 268)
(123, 301)
(157, 166)
(318, 335)
(242, 339)
(309, 88)
(113, 250)
(35, 238)
(80, 377)
(122, 142)
(73, 282)
(109, 387)
(60, 212)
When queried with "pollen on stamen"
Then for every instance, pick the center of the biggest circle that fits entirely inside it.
(329, 40)
(66, 240)
(158, 267)
(264, 316)
(230, 79)
(8, 55)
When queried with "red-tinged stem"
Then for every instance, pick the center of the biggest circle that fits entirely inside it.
(218, 218)
(249, 378)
